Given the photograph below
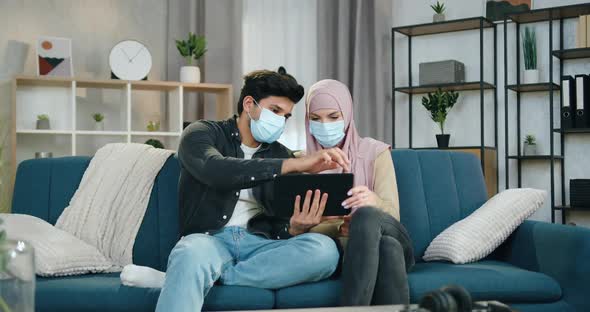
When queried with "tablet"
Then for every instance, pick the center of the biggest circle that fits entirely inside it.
(287, 187)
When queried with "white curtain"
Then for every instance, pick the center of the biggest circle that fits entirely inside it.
(283, 33)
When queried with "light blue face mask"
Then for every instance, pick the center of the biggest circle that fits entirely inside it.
(268, 128)
(328, 134)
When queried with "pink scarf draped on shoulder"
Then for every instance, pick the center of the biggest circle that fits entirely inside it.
(362, 152)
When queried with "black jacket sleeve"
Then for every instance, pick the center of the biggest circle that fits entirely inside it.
(199, 155)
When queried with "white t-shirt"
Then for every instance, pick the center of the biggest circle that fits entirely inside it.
(247, 206)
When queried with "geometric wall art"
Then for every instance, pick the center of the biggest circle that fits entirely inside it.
(54, 57)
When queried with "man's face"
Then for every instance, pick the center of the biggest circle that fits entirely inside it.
(279, 105)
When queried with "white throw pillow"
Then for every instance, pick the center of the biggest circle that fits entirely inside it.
(479, 234)
(57, 253)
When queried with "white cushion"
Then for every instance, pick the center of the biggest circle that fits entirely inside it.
(479, 234)
(57, 253)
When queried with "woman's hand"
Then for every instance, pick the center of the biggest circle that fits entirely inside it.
(360, 196)
(310, 214)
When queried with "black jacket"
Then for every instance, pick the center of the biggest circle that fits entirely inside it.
(213, 171)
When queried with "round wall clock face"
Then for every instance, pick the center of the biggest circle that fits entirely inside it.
(130, 60)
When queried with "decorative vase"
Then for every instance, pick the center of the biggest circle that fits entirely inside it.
(529, 149)
(442, 140)
(531, 76)
(17, 277)
(191, 74)
(99, 126)
(436, 18)
(43, 124)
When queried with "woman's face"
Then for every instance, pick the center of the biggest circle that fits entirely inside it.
(326, 115)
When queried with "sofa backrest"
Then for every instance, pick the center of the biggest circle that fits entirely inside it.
(436, 189)
(44, 187)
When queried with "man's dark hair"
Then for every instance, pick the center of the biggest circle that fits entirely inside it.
(261, 84)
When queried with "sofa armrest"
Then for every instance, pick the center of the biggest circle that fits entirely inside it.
(562, 252)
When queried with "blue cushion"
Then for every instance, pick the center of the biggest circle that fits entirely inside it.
(436, 189)
(559, 306)
(485, 280)
(104, 292)
(321, 294)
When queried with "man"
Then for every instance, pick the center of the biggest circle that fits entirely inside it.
(229, 233)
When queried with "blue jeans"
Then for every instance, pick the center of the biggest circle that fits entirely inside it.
(236, 257)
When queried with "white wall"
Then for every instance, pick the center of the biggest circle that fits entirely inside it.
(463, 121)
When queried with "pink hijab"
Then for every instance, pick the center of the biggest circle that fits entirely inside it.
(361, 152)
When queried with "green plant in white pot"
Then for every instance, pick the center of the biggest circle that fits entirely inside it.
(439, 12)
(529, 51)
(43, 122)
(530, 145)
(98, 121)
(439, 104)
(191, 49)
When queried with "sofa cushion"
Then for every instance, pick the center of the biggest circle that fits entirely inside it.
(325, 293)
(485, 280)
(104, 292)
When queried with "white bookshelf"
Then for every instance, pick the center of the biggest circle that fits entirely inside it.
(71, 133)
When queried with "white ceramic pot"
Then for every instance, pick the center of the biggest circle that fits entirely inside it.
(99, 126)
(190, 74)
(531, 76)
(436, 18)
(530, 149)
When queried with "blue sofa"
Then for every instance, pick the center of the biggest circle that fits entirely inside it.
(541, 267)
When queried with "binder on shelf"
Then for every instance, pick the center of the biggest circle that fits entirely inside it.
(582, 101)
(582, 32)
(587, 31)
(568, 100)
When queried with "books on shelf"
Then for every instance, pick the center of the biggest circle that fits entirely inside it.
(568, 98)
(583, 32)
(582, 101)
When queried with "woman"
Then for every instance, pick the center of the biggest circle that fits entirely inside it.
(378, 251)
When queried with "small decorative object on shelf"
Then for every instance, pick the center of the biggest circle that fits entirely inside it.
(496, 10)
(155, 143)
(439, 10)
(580, 193)
(98, 121)
(17, 275)
(530, 145)
(54, 57)
(449, 71)
(153, 125)
(529, 50)
(43, 155)
(130, 60)
(191, 49)
(43, 122)
(439, 104)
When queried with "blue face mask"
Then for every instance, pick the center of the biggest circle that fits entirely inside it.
(268, 128)
(328, 134)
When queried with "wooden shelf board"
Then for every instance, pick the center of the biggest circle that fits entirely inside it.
(533, 87)
(462, 86)
(160, 134)
(541, 15)
(573, 130)
(444, 27)
(536, 157)
(454, 148)
(98, 133)
(34, 131)
(572, 54)
(569, 208)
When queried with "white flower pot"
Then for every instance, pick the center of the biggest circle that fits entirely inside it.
(190, 74)
(436, 18)
(530, 149)
(531, 76)
(99, 126)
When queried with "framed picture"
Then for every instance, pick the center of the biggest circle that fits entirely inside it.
(496, 10)
(54, 57)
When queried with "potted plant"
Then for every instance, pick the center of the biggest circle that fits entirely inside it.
(155, 143)
(153, 126)
(191, 49)
(439, 104)
(43, 122)
(530, 145)
(529, 50)
(439, 10)
(17, 275)
(99, 121)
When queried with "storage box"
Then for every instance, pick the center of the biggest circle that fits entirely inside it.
(449, 71)
(580, 193)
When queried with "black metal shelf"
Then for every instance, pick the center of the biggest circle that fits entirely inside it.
(572, 54)
(536, 157)
(455, 148)
(460, 86)
(533, 87)
(570, 208)
(543, 15)
(464, 24)
(572, 130)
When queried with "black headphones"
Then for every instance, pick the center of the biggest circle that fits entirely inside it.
(450, 298)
